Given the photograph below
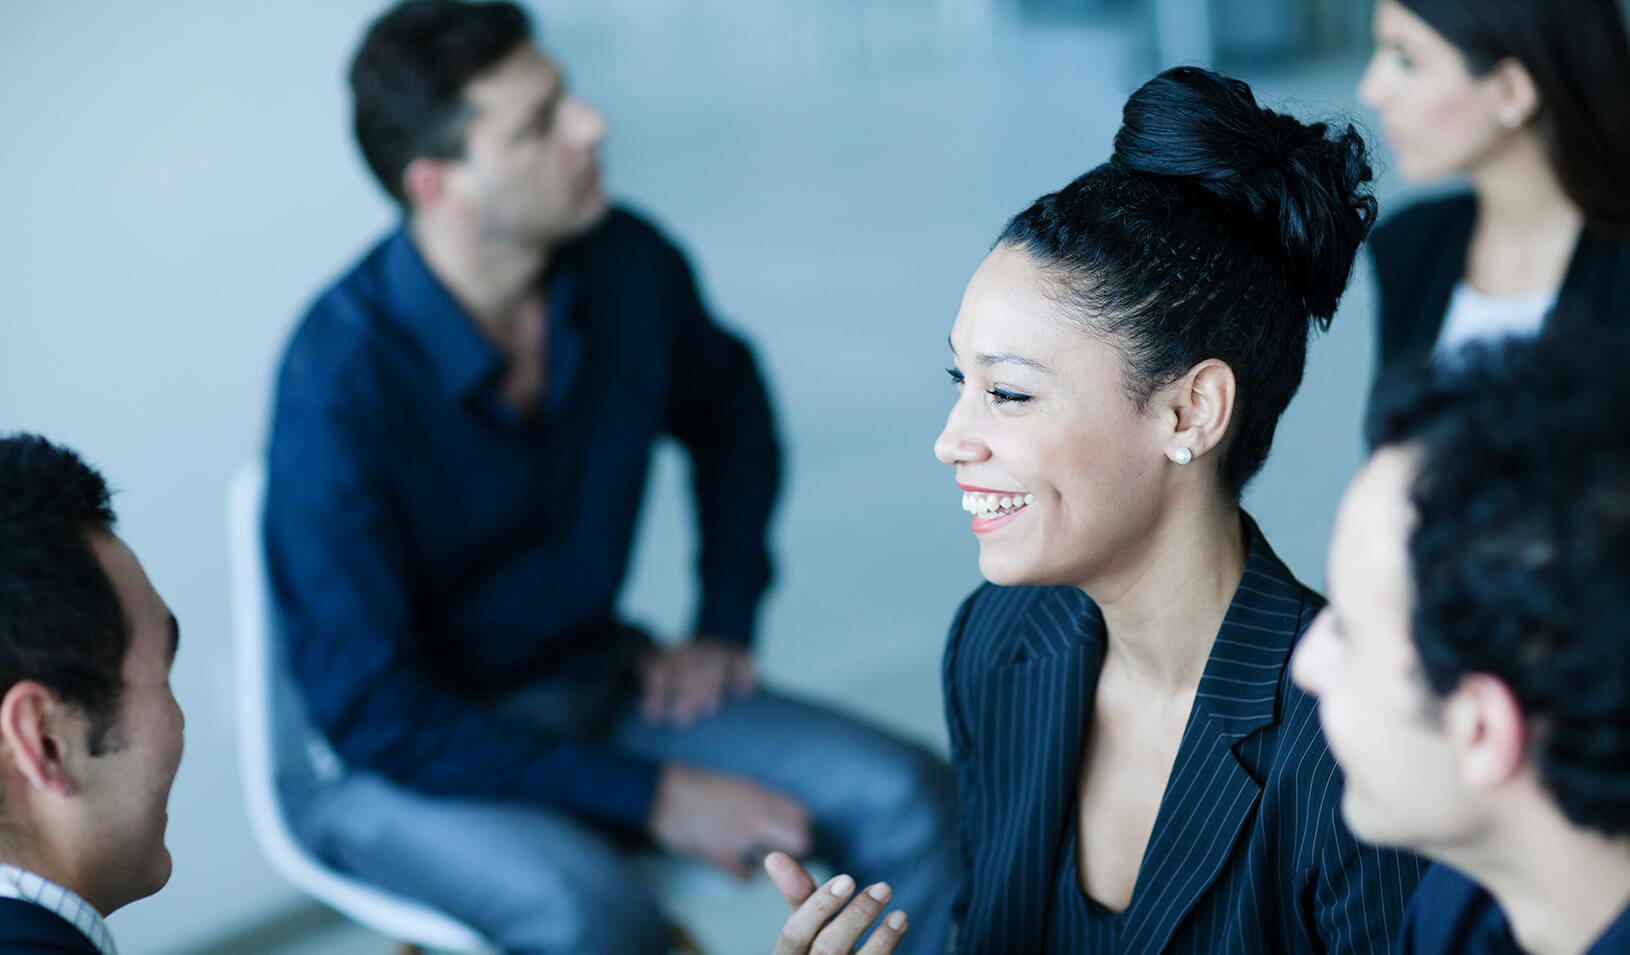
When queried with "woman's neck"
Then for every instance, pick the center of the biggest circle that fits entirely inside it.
(1519, 194)
(1163, 608)
(1526, 228)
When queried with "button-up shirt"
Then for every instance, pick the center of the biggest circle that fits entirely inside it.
(428, 546)
(26, 886)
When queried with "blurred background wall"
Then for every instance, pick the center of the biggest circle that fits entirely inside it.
(178, 181)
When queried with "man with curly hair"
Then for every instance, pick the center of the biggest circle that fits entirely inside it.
(1473, 664)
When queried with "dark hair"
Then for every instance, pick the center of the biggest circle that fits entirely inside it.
(60, 620)
(1579, 56)
(1522, 546)
(1215, 230)
(408, 78)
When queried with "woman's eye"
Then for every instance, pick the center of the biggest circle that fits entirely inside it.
(956, 376)
(1002, 396)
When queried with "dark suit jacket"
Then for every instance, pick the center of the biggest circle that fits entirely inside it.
(27, 929)
(1249, 854)
(1421, 252)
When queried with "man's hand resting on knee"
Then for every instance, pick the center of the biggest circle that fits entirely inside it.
(726, 820)
(684, 683)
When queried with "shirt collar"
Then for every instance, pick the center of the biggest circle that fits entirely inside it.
(26, 886)
(464, 360)
(418, 301)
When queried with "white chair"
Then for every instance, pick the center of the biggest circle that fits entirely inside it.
(257, 668)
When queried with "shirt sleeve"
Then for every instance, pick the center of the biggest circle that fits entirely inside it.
(1362, 891)
(719, 409)
(334, 547)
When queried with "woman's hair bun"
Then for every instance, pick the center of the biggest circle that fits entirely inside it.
(1302, 184)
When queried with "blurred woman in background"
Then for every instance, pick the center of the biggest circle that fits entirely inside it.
(1135, 770)
(1530, 101)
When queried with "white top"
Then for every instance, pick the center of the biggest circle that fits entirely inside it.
(22, 884)
(1474, 316)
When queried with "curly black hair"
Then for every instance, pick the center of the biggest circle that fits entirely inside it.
(1217, 229)
(1521, 553)
(61, 622)
(408, 78)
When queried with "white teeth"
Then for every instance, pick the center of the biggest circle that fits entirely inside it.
(990, 505)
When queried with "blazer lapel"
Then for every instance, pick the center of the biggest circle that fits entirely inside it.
(1211, 796)
(1041, 691)
(1442, 272)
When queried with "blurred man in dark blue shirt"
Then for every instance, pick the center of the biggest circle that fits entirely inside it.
(1473, 664)
(462, 432)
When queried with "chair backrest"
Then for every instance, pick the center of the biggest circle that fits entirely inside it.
(258, 670)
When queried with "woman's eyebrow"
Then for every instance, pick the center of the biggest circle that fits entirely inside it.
(1004, 358)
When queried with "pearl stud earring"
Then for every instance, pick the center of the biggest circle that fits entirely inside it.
(1182, 455)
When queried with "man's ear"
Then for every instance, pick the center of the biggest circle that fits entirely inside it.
(424, 182)
(1486, 727)
(1201, 404)
(39, 735)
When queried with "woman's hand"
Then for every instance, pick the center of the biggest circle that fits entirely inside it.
(820, 923)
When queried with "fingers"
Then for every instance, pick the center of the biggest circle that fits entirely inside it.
(851, 923)
(790, 878)
(701, 682)
(743, 678)
(843, 924)
(887, 935)
(799, 931)
(784, 825)
(659, 685)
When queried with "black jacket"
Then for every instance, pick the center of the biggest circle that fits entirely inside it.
(1249, 854)
(27, 929)
(1421, 252)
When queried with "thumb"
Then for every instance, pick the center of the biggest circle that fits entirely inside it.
(790, 878)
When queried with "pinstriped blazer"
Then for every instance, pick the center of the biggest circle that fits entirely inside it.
(1249, 854)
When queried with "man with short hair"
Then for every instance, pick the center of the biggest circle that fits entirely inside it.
(1473, 664)
(90, 734)
(462, 432)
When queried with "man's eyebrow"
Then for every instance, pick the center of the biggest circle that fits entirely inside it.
(175, 637)
(1005, 358)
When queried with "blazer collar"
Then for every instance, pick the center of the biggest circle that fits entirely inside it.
(1210, 797)
(1047, 682)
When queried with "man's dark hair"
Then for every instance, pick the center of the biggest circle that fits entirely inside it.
(1217, 229)
(408, 78)
(61, 623)
(1521, 555)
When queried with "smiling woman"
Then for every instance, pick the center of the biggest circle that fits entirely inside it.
(1136, 771)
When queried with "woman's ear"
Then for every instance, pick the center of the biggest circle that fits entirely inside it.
(1202, 405)
(1516, 96)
